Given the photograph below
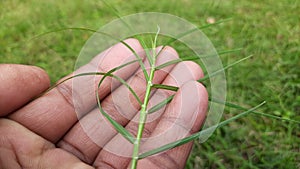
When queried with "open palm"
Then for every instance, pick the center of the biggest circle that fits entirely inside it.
(64, 128)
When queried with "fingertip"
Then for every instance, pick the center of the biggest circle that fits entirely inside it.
(20, 83)
(195, 90)
(135, 45)
(132, 41)
(169, 49)
(184, 72)
(201, 93)
(192, 66)
(166, 54)
(41, 76)
(195, 69)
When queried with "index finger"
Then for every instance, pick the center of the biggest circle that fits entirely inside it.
(53, 114)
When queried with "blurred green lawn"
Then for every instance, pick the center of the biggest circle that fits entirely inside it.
(268, 29)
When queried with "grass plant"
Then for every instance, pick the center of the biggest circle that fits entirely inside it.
(270, 140)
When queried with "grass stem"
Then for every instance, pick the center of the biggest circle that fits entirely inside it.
(144, 112)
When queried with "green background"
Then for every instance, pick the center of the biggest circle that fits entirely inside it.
(268, 29)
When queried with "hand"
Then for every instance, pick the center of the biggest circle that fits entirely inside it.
(46, 133)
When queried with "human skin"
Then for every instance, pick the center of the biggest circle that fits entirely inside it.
(45, 133)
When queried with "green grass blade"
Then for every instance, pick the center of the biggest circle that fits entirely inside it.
(167, 87)
(88, 74)
(115, 11)
(193, 30)
(148, 55)
(176, 61)
(254, 112)
(103, 33)
(229, 51)
(192, 58)
(221, 70)
(190, 31)
(97, 73)
(140, 62)
(240, 115)
(78, 75)
(109, 73)
(121, 66)
(160, 105)
(156, 36)
(129, 88)
(216, 23)
(196, 135)
(125, 133)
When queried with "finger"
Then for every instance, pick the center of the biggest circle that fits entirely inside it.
(53, 114)
(179, 121)
(119, 149)
(93, 131)
(20, 84)
(21, 148)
